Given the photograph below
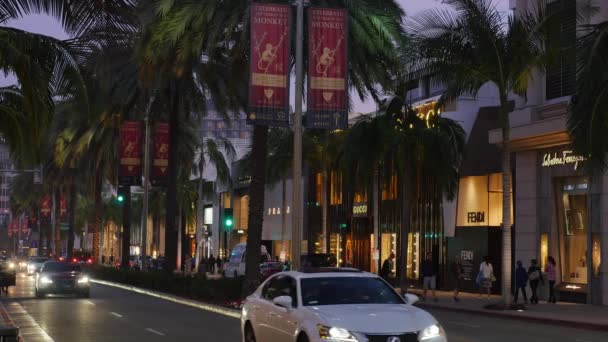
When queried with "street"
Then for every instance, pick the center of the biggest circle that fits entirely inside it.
(120, 315)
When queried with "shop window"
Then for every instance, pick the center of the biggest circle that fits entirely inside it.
(243, 220)
(318, 188)
(413, 253)
(573, 232)
(389, 189)
(596, 254)
(544, 250)
(335, 192)
(360, 197)
(226, 200)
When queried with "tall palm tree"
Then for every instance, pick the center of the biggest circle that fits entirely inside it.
(587, 117)
(474, 45)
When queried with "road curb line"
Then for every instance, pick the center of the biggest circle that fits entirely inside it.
(543, 320)
(196, 304)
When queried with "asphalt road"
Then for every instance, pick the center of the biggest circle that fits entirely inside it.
(118, 315)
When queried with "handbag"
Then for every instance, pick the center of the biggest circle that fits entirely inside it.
(479, 279)
(493, 278)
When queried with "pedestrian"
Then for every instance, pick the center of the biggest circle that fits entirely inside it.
(218, 262)
(188, 264)
(486, 276)
(458, 276)
(387, 269)
(429, 276)
(521, 279)
(550, 269)
(211, 264)
(535, 276)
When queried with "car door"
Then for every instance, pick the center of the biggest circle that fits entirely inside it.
(282, 321)
(262, 306)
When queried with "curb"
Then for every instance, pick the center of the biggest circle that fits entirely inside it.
(175, 299)
(499, 314)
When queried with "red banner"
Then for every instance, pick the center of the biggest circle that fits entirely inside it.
(46, 206)
(63, 209)
(327, 104)
(160, 154)
(269, 69)
(130, 153)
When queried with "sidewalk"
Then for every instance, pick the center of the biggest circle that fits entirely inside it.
(576, 315)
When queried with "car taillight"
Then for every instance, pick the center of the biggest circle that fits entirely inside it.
(74, 260)
(60, 258)
(90, 261)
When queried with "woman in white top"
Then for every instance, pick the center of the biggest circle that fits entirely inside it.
(486, 272)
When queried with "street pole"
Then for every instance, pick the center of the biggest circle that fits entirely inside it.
(199, 213)
(144, 214)
(296, 235)
(19, 235)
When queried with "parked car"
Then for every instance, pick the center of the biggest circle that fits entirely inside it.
(35, 264)
(334, 305)
(318, 260)
(235, 267)
(62, 278)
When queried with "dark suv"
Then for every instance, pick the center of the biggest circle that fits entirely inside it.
(62, 278)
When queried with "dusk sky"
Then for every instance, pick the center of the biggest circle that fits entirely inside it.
(49, 26)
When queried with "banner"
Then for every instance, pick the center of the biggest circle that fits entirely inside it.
(160, 154)
(327, 104)
(63, 209)
(269, 69)
(130, 152)
(46, 206)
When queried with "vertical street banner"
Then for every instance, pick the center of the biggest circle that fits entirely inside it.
(160, 155)
(327, 104)
(270, 43)
(46, 205)
(130, 152)
(63, 209)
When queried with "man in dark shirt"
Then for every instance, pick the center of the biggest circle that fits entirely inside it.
(387, 269)
(429, 276)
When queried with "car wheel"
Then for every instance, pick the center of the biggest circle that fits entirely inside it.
(302, 338)
(249, 334)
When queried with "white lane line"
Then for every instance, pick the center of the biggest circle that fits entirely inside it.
(582, 341)
(90, 303)
(155, 332)
(29, 329)
(466, 324)
(199, 305)
(115, 314)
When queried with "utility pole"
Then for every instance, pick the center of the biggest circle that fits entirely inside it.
(296, 235)
(144, 214)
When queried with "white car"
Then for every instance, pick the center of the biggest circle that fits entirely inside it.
(340, 305)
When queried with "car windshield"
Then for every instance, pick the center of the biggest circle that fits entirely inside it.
(347, 290)
(60, 267)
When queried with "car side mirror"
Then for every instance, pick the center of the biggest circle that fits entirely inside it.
(283, 301)
(410, 299)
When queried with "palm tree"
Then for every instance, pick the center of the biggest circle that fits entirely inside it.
(586, 121)
(376, 29)
(475, 45)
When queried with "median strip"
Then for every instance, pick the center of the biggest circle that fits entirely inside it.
(175, 299)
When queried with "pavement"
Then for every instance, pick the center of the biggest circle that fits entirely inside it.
(565, 314)
(117, 314)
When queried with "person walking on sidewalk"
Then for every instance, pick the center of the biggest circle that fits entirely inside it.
(387, 269)
(521, 279)
(458, 276)
(550, 269)
(211, 264)
(486, 272)
(535, 276)
(429, 276)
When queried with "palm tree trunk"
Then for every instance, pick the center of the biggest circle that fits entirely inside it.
(97, 212)
(57, 236)
(324, 206)
(406, 200)
(256, 209)
(376, 218)
(171, 220)
(71, 221)
(506, 208)
(126, 228)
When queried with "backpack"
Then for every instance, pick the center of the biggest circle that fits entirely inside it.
(534, 275)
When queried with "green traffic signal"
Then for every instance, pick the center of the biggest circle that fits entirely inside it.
(120, 198)
(228, 222)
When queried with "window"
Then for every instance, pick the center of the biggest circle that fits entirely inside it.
(544, 250)
(280, 286)
(389, 189)
(572, 203)
(561, 75)
(335, 196)
(347, 290)
(318, 187)
(596, 254)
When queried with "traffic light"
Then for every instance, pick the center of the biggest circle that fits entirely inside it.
(228, 218)
(120, 198)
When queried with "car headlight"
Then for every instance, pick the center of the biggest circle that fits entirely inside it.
(432, 331)
(11, 265)
(46, 280)
(335, 334)
(22, 264)
(83, 280)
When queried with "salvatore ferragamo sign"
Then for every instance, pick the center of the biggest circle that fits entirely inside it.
(566, 157)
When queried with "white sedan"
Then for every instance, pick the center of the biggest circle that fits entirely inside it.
(334, 305)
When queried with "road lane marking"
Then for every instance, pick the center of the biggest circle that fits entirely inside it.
(582, 341)
(155, 332)
(115, 314)
(91, 303)
(188, 302)
(466, 324)
(29, 329)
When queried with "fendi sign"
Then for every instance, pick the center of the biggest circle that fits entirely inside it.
(565, 157)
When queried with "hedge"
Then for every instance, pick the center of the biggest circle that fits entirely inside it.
(216, 291)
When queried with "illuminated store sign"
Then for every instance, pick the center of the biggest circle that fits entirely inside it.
(565, 157)
(359, 209)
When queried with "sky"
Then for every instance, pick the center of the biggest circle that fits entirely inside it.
(49, 26)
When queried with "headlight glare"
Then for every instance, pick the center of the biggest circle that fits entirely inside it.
(46, 280)
(431, 331)
(335, 334)
(83, 280)
(11, 265)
